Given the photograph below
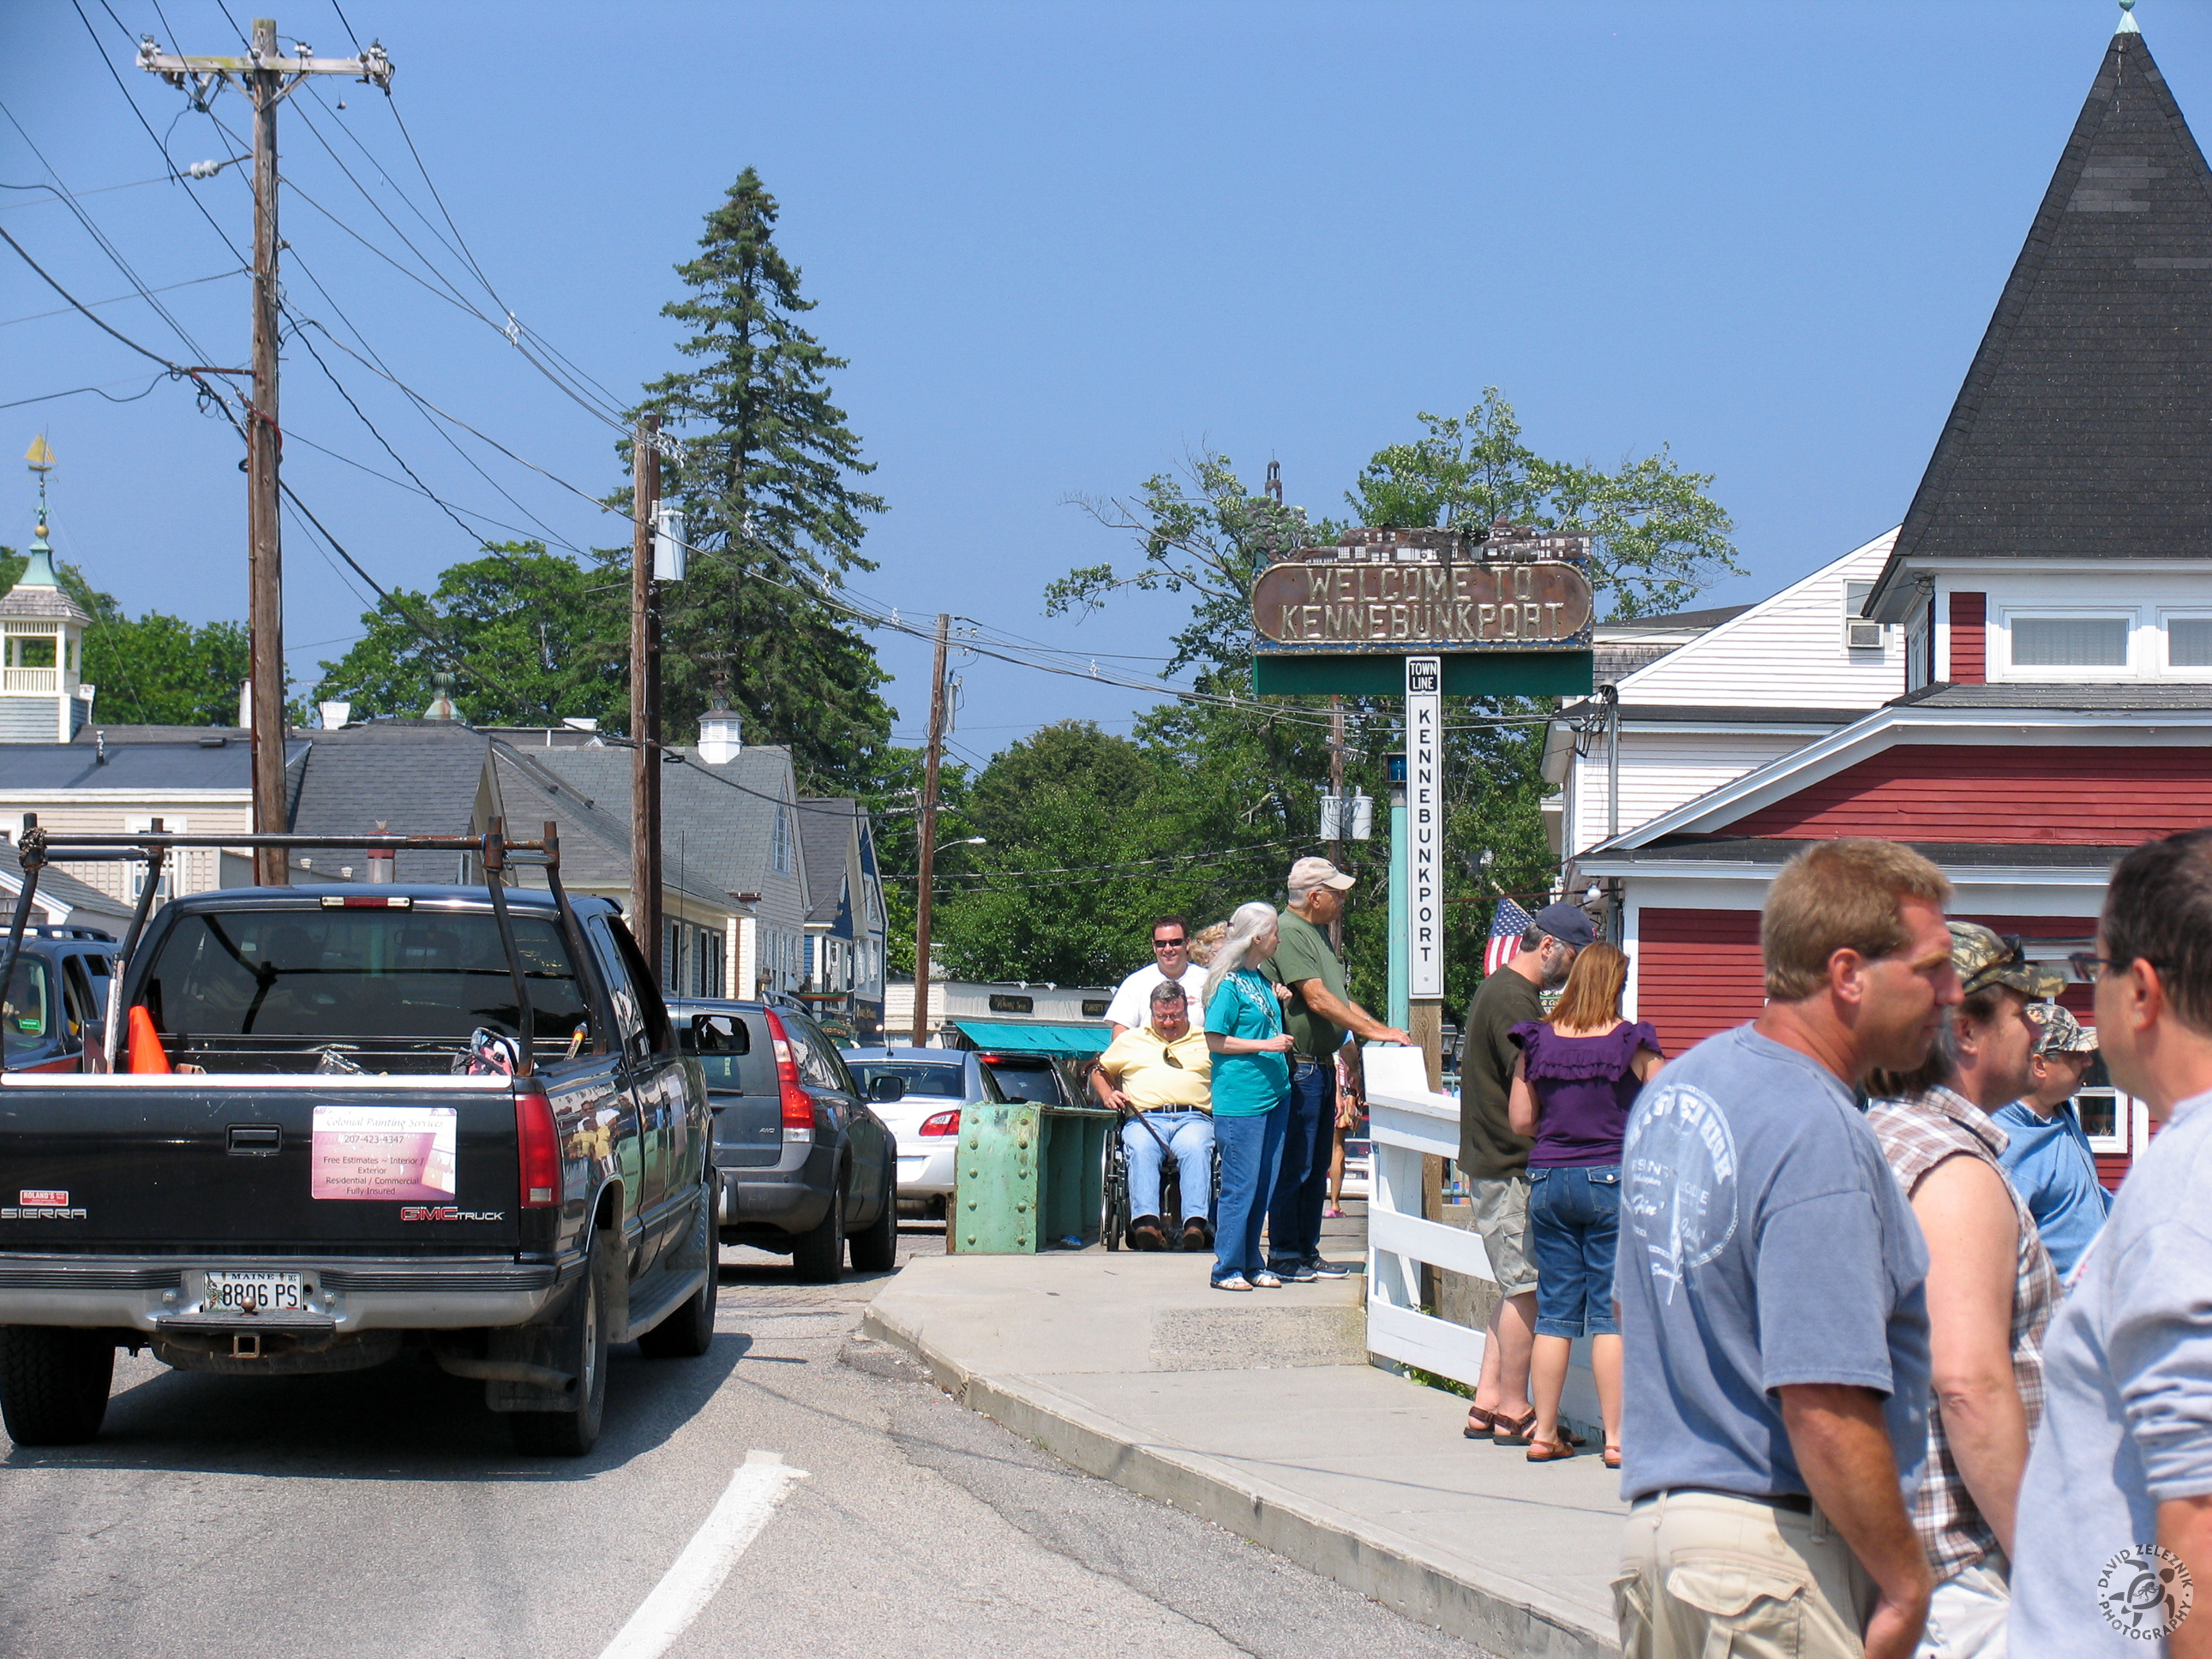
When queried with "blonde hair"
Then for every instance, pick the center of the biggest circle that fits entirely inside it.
(1591, 1001)
(1246, 923)
(1840, 895)
(1205, 939)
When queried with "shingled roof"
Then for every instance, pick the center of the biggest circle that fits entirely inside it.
(2084, 429)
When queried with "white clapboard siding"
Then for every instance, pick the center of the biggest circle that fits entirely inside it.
(1661, 771)
(1784, 652)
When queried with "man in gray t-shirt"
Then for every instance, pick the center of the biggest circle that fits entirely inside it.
(1770, 1268)
(2114, 1539)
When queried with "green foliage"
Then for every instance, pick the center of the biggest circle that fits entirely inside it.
(767, 484)
(155, 668)
(535, 638)
(1659, 538)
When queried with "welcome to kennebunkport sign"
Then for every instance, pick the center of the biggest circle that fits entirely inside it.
(1412, 591)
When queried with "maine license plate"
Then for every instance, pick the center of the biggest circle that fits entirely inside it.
(251, 1293)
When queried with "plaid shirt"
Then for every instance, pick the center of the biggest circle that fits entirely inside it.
(1917, 1135)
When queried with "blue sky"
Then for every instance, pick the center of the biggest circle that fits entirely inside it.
(1059, 244)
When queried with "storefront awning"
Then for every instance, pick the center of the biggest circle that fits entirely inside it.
(1035, 1039)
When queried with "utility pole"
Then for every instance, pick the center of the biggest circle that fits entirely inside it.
(644, 697)
(924, 891)
(267, 77)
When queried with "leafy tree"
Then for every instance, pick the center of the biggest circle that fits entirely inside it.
(1658, 536)
(533, 638)
(155, 668)
(767, 479)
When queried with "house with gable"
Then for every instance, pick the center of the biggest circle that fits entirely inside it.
(2051, 589)
(845, 924)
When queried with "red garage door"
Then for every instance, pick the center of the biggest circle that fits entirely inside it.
(1698, 972)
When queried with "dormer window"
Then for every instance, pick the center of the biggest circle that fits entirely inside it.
(2188, 642)
(780, 844)
(2070, 642)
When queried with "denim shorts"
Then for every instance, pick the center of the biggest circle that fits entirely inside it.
(1574, 1222)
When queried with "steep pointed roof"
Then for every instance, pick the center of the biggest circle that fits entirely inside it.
(2084, 429)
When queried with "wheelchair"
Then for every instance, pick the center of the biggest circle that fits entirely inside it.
(1114, 1222)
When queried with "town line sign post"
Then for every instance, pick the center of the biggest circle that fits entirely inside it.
(1428, 613)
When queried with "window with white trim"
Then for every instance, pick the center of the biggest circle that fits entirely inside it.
(2070, 642)
(780, 844)
(2188, 642)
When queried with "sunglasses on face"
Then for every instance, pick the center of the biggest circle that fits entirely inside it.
(1169, 944)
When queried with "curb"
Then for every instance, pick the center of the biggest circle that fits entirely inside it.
(1501, 1615)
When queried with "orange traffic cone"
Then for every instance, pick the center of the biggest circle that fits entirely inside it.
(147, 1053)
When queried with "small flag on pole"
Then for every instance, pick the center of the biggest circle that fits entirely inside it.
(1507, 924)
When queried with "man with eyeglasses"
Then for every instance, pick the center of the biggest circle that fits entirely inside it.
(2047, 1154)
(1170, 962)
(1162, 1075)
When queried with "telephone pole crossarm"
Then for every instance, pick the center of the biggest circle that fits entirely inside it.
(373, 66)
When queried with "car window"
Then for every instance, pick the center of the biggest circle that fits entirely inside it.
(825, 1065)
(1026, 1080)
(26, 1018)
(733, 1051)
(923, 1079)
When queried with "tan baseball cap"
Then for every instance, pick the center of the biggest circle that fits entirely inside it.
(1308, 873)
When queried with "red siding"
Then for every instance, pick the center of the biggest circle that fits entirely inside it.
(1698, 972)
(1969, 638)
(2110, 795)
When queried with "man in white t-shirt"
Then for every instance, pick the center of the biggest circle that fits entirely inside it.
(1170, 962)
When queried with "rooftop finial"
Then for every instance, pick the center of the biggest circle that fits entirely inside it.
(2127, 19)
(41, 457)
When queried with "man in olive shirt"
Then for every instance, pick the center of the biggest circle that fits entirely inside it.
(1495, 1160)
(1318, 1016)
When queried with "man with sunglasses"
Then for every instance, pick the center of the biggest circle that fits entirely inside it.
(2114, 1550)
(1161, 1073)
(1170, 962)
(2047, 1154)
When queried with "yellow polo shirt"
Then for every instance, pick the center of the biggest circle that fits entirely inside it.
(1136, 1061)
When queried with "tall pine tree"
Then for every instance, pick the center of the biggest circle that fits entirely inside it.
(767, 484)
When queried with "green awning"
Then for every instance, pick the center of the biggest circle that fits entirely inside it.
(1035, 1039)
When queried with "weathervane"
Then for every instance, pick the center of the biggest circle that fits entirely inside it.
(40, 457)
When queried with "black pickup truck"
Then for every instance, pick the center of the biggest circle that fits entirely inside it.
(291, 1154)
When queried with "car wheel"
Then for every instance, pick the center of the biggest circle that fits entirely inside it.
(574, 1432)
(875, 1250)
(53, 1383)
(817, 1255)
(689, 1330)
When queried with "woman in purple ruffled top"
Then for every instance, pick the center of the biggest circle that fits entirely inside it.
(1577, 1075)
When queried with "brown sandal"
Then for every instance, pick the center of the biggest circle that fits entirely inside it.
(1480, 1425)
(1512, 1431)
(1551, 1451)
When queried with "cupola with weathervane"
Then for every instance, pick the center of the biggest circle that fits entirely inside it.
(43, 698)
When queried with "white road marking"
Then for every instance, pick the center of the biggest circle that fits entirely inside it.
(754, 1490)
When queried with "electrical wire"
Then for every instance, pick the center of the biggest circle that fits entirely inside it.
(48, 397)
(190, 281)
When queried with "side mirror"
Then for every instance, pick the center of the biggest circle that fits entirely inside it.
(884, 1089)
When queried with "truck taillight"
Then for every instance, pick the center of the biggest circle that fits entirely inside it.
(798, 1104)
(538, 1152)
(942, 1123)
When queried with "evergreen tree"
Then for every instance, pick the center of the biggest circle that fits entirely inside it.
(768, 482)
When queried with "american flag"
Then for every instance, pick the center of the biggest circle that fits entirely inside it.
(1507, 924)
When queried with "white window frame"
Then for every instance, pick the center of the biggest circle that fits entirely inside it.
(1999, 646)
(2172, 613)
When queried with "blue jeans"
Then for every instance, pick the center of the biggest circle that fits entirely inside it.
(1302, 1184)
(1251, 1153)
(1574, 1224)
(1189, 1136)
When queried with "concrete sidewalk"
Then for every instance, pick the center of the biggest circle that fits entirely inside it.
(1262, 1413)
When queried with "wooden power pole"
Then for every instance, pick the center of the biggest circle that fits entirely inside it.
(923, 892)
(645, 697)
(268, 77)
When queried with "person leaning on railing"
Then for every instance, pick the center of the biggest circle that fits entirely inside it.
(1161, 1073)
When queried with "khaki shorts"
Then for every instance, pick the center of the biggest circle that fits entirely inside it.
(1501, 1217)
(1703, 1573)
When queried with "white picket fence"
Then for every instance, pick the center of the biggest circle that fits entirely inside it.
(1407, 1120)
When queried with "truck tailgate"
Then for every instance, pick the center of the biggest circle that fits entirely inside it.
(185, 1163)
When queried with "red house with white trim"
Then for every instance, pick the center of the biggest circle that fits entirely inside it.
(2050, 588)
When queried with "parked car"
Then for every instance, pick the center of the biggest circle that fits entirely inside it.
(56, 999)
(805, 1165)
(356, 1143)
(920, 1093)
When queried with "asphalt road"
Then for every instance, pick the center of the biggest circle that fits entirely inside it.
(382, 1513)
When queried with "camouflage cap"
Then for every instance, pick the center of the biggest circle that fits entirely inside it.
(1982, 959)
(2057, 1032)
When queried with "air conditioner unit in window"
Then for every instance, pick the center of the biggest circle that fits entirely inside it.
(1862, 636)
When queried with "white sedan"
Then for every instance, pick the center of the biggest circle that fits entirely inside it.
(919, 1094)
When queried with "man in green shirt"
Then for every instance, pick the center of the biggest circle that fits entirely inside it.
(1318, 1016)
(1495, 1160)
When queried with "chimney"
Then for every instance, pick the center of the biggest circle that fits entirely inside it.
(335, 714)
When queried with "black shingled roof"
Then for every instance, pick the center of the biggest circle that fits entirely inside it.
(2084, 429)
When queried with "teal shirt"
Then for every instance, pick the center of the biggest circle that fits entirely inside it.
(1248, 1085)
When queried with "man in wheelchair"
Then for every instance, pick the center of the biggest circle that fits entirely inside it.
(1158, 1076)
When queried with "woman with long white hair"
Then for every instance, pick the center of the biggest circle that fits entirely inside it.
(1251, 1092)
